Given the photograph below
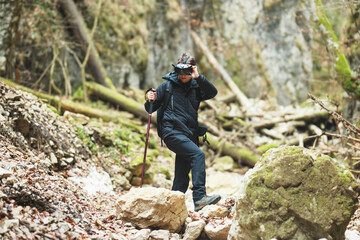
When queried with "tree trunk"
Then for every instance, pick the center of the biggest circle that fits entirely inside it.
(125, 103)
(220, 70)
(12, 34)
(343, 72)
(81, 33)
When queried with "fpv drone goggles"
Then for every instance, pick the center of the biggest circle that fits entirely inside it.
(183, 68)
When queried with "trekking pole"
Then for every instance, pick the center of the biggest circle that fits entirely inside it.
(147, 139)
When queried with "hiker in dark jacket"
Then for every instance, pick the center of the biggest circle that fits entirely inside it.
(179, 125)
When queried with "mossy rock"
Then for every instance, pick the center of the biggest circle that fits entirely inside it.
(136, 164)
(148, 179)
(225, 163)
(295, 193)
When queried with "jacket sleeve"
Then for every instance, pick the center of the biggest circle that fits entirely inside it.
(208, 90)
(160, 93)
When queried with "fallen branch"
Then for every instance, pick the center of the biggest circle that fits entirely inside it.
(220, 70)
(337, 116)
(305, 117)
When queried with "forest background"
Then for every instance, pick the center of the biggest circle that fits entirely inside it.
(97, 57)
(280, 49)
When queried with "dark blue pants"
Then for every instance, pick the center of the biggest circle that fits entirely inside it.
(188, 157)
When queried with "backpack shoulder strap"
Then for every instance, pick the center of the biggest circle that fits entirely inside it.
(168, 93)
(165, 103)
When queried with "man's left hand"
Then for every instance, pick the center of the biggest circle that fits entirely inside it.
(195, 73)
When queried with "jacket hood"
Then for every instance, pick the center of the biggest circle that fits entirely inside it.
(174, 77)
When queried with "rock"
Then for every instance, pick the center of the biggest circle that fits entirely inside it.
(68, 160)
(194, 229)
(218, 182)
(22, 125)
(225, 163)
(76, 117)
(95, 182)
(7, 224)
(154, 208)
(53, 158)
(352, 235)
(64, 227)
(212, 211)
(121, 181)
(115, 236)
(143, 234)
(218, 231)
(148, 179)
(159, 235)
(5, 173)
(135, 181)
(136, 164)
(2, 194)
(294, 193)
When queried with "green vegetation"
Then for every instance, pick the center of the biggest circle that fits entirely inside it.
(85, 137)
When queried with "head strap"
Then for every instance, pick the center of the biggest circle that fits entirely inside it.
(185, 59)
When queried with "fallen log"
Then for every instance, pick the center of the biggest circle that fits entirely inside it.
(118, 99)
(241, 155)
(220, 70)
(68, 105)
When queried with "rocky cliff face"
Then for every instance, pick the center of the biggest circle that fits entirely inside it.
(264, 45)
(274, 38)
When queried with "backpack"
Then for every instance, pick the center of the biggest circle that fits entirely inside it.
(202, 129)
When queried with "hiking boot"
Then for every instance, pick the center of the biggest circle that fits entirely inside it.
(206, 200)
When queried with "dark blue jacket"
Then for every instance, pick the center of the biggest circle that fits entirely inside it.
(181, 114)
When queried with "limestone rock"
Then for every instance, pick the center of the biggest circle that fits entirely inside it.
(143, 234)
(194, 229)
(94, 182)
(154, 208)
(5, 173)
(294, 193)
(121, 181)
(212, 211)
(352, 235)
(159, 235)
(218, 231)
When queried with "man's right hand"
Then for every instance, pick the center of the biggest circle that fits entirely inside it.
(151, 96)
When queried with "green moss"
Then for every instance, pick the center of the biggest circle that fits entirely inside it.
(267, 146)
(53, 109)
(342, 68)
(86, 139)
(270, 3)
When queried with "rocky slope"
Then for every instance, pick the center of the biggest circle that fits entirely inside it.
(46, 167)
(47, 162)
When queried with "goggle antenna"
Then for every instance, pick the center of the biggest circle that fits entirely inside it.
(185, 59)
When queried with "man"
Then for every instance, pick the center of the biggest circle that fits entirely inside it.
(179, 125)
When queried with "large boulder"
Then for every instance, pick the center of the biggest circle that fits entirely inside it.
(155, 208)
(294, 193)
